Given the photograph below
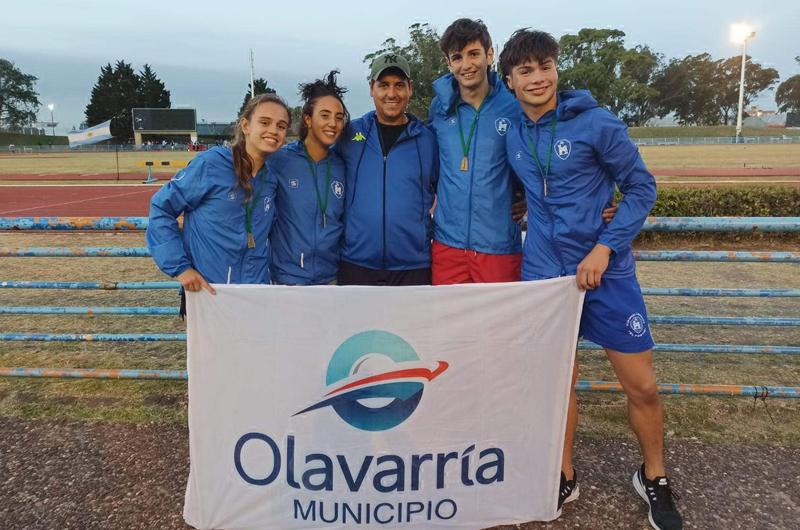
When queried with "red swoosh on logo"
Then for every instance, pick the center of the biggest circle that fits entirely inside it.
(409, 373)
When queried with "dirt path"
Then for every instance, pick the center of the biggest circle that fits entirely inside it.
(62, 474)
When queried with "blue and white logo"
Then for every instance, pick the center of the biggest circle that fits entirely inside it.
(337, 188)
(375, 366)
(267, 204)
(294, 184)
(452, 121)
(232, 195)
(518, 156)
(563, 149)
(501, 125)
(636, 325)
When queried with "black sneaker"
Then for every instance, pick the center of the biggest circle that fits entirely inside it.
(662, 512)
(568, 490)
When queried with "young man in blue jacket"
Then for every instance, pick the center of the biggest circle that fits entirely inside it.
(475, 237)
(391, 172)
(570, 155)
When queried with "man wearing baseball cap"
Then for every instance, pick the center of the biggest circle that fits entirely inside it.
(392, 169)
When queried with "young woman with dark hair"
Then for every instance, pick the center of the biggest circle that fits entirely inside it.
(310, 190)
(226, 197)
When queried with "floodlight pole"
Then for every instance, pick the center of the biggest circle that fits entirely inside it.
(741, 87)
(252, 75)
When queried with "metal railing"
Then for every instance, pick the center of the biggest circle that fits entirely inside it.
(660, 224)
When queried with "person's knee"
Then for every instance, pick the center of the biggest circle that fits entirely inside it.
(643, 393)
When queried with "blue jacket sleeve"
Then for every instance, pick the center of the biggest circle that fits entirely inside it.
(620, 157)
(183, 193)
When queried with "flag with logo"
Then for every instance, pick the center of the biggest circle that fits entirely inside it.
(395, 407)
(92, 135)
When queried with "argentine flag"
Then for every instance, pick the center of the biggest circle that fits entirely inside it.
(92, 135)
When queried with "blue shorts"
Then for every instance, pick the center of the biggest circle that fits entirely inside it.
(615, 317)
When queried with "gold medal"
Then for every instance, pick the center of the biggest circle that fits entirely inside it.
(465, 164)
(251, 241)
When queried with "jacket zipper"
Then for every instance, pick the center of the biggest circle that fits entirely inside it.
(549, 212)
(384, 205)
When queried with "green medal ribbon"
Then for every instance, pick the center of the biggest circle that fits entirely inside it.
(321, 203)
(465, 145)
(248, 208)
(545, 172)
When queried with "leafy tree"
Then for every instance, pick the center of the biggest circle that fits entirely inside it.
(152, 92)
(19, 101)
(756, 80)
(296, 113)
(788, 94)
(119, 89)
(633, 89)
(688, 87)
(426, 60)
(261, 87)
(619, 78)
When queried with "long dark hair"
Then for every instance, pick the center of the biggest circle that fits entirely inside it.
(311, 92)
(242, 163)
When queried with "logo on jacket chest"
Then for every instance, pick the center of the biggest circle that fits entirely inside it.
(501, 126)
(337, 188)
(563, 148)
(294, 184)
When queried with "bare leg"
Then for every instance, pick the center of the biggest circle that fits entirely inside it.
(638, 378)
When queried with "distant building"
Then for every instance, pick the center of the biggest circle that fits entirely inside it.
(214, 131)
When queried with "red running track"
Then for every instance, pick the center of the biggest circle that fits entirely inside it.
(659, 172)
(76, 201)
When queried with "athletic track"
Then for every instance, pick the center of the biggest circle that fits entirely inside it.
(128, 199)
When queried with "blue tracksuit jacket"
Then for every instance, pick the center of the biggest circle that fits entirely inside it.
(388, 199)
(473, 208)
(591, 155)
(303, 251)
(214, 236)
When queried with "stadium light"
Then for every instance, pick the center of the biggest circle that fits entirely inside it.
(740, 33)
(52, 121)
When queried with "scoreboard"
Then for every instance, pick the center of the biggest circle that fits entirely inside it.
(163, 120)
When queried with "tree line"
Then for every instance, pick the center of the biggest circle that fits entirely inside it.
(636, 83)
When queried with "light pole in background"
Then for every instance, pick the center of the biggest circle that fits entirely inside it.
(52, 121)
(740, 33)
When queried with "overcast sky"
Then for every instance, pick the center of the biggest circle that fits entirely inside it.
(200, 48)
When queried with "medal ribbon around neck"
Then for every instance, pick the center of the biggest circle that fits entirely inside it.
(322, 203)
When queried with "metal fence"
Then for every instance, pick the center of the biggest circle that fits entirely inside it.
(718, 140)
(661, 224)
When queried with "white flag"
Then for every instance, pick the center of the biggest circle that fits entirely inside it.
(92, 135)
(378, 407)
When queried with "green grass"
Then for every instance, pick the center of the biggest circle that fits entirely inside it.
(717, 130)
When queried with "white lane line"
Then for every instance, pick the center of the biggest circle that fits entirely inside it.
(44, 206)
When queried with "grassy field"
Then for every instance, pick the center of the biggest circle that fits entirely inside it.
(712, 419)
(720, 156)
(687, 156)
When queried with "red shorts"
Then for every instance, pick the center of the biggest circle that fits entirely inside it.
(457, 265)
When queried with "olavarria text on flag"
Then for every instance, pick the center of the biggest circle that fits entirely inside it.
(92, 135)
(378, 407)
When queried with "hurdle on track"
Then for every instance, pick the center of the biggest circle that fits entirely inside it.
(655, 224)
